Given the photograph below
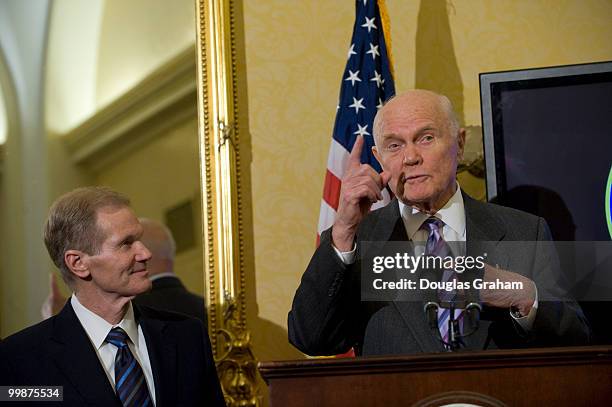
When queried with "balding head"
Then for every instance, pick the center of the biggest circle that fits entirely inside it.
(158, 239)
(415, 101)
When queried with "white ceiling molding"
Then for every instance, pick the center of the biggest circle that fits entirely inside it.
(158, 103)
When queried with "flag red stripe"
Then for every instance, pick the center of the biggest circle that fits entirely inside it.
(331, 189)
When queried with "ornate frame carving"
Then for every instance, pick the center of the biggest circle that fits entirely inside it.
(221, 201)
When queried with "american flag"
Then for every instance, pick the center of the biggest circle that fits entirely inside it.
(367, 83)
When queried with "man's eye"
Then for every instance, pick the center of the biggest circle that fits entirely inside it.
(393, 146)
(426, 138)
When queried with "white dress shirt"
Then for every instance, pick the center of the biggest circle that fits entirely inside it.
(453, 216)
(97, 329)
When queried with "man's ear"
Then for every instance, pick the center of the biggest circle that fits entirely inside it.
(75, 261)
(460, 143)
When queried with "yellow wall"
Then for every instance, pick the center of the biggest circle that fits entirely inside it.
(136, 37)
(295, 54)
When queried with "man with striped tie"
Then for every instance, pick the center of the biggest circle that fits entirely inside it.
(101, 348)
(419, 144)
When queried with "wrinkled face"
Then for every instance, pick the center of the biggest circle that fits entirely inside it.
(120, 266)
(416, 147)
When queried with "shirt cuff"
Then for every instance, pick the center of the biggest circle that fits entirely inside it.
(346, 257)
(526, 322)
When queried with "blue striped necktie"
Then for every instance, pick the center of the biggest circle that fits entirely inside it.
(130, 383)
(437, 246)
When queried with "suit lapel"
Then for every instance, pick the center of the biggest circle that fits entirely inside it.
(161, 346)
(390, 228)
(483, 231)
(76, 359)
(483, 234)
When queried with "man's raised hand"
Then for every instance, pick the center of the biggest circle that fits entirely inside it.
(54, 301)
(361, 188)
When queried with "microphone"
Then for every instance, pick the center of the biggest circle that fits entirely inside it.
(430, 296)
(472, 299)
(472, 315)
(431, 312)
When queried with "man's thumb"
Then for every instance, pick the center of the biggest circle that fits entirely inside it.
(385, 177)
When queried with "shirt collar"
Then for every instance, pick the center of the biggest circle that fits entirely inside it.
(452, 214)
(97, 328)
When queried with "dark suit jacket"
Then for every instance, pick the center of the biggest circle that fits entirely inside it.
(58, 352)
(169, 293)
(328, 316)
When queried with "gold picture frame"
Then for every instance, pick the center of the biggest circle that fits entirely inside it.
(222, 218)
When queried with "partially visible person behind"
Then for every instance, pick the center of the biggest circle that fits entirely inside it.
(103, 349)
(167, 292)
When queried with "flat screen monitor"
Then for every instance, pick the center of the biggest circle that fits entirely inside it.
(548, 145)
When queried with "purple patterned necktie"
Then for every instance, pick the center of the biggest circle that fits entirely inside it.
(130, 383)
(437, 246)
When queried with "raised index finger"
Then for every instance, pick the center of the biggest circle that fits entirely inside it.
(355, 157)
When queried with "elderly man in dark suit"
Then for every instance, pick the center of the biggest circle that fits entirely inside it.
(419, 144)
(101, 348)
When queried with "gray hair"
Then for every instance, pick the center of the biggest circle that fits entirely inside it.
(158, 239)
(72, 223)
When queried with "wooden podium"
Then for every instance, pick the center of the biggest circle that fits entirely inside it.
(573, 376)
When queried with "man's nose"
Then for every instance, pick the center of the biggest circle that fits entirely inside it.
(411, 156)
(143, 254)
